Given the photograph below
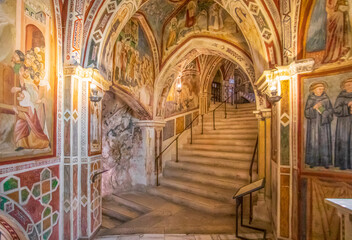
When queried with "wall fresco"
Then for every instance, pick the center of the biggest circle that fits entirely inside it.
(204, 18)
(27, 83)
(133, 64)
(188, 99)
(327, 112)
(329, 34)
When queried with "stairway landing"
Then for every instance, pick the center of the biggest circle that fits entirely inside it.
(165, 217)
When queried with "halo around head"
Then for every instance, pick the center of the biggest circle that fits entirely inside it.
(315, 85)
(342, 85)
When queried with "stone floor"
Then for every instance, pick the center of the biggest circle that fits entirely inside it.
(167, 220)
(182, 237)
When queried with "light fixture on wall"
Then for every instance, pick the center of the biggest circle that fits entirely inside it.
(273, 80)
(178, 84)
(94, 94)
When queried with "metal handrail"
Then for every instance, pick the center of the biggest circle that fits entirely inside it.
(175, 140)
(217, 108)
(251, 180)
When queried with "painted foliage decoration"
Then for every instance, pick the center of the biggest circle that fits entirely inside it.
(188, 98)
(27, 83)
(133, 64)
(327, 115)
(329, 35)
(201, 18)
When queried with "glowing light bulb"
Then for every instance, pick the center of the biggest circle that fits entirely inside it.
(93, 86)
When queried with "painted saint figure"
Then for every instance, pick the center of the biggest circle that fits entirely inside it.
(319, 114)
(336, 48)
(343, 111)
(191, 14)
(171, 40)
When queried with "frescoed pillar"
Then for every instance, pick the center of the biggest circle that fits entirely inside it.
(151, 131)
(81, 153)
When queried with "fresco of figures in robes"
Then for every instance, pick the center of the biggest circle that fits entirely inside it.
(188, 98)
(27, 90)
(200, 18)
(133, 64)
(327, 114)
(329, 34)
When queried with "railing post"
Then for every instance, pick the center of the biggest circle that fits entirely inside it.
(236, 100)
(177, 149)
(202, 122)
(191, 132)
(214, 119)
(225, 109)
(157, 170)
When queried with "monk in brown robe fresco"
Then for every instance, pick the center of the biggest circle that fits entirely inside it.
(343, 111)
(319, 114)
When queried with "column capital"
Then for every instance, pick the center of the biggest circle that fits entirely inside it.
(302, 66)
(87, 74)
(263, 113)
(150, 123)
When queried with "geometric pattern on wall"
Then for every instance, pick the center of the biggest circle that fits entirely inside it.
(14, 197)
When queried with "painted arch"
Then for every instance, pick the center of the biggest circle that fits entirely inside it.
(186, 54)
(251, 16)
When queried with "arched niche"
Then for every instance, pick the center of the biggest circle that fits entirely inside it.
(34, 37)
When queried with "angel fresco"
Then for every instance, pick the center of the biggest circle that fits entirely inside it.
(319, 114)
(343, 112)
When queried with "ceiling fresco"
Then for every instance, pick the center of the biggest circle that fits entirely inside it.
(156, 13)
(174, 23)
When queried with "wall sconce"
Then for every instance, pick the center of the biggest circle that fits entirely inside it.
(273, 81)
(94, 94)
(178, 84)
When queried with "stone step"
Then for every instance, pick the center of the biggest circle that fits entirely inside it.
(220, 148)
(210, 131)
(216, 154)
(232, 121)
(231, 142)
(221, 182)
(193, 201)
(223, 195)
(206, 160)
(210, 170)
(109, 223)
(130, 203)
(243, 136)
(118, 211)
(230, 114)
(234, 126)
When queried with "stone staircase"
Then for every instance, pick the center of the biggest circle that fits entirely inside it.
(204, 180)
(118, 210)
(210, 170)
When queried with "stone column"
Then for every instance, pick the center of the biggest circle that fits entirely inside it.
(203, 103)
(262, 208)
(144, 172)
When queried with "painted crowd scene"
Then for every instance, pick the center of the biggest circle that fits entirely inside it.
(27, 87)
